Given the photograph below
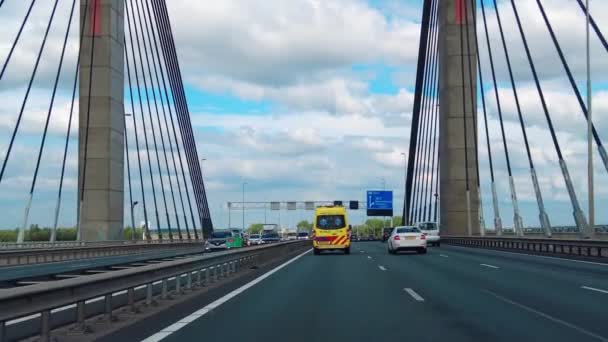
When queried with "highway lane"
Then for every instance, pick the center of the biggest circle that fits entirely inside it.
(11, 273)
(456, 293)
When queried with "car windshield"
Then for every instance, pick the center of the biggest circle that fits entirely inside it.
(220, 235)
(428, 226)
(407, 230)
(254, 236)
(302, 234)
(330, 222)
(270, 236)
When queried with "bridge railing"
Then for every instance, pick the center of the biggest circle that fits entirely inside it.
(560, 247)
(85, 250)
(67, 244)
(143, 284)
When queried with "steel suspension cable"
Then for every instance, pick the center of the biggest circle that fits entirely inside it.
(27, 94)
(48, 116)
(141, 177)
(430, 110)
(597, 30)
(183, 118)
(497, 219)
(499, 109)
(69, 128)
(578, 214)
(543, 217)
(424, 35)
(174, 136)
(179, 105)
(152, 86)
(473, 93)
(88, 121)
(10, 53)
(141, 107)
(154, 48)
(573, 84)
(464, 120)
(423, 127)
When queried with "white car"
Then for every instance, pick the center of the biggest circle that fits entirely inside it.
(432, 232)
(407, 238)
(255, 239)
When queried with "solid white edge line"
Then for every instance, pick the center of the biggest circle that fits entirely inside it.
(203, 311)
(414, 295)
(381, 267)
(534, 255)
(546, 316)
(490, 266)
(594, 289)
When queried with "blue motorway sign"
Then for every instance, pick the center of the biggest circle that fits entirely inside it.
(379, 203)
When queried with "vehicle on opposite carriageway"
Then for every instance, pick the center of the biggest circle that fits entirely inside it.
(224, 239)
(407, 238)
(331, 230)
(431, 229)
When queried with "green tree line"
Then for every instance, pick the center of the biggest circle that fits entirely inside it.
(37, 233)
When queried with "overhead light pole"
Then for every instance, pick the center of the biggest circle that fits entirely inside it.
(590, 133)
(243, 205)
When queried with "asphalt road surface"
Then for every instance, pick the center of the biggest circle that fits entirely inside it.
(449, 294)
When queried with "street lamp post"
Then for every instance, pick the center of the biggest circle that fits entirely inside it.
(404, 181)
(133, 219)
(243, 205)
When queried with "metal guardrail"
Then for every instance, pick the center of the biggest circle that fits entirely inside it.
(63, 244)
(88, 250)
(577, 248)
(555, 235)
(42, 299)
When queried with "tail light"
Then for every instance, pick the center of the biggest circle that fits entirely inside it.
(423, 237)
(397, 237)
(230, 240)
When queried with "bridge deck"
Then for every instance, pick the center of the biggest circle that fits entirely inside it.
(463, 294)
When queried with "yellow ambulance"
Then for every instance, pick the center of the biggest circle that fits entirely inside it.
(331, 230)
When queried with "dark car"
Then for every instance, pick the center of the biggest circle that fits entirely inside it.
(270, 237)
(218, 240)
(386, 233)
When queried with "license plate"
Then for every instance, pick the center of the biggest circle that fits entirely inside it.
(323, 242)
(410, 238)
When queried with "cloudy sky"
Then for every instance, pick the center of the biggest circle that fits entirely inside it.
(312, 100)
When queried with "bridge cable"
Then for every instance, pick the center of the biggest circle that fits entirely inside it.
(595, 27)
(581, 102)
(497, 219)
(424, 35)
(179, 101)
(543, 217)
(499, 109)
(430, 110)
(48, 116)
(143, 117)
(88, 121)
(27, 94)
(21, 234)
(69, 128)
(166, 92)
(424, 126)
(473, 94)
(578, 215)
(142, 23)
(185, 124)
(10, 53)
(141, 177)
(464, 120)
